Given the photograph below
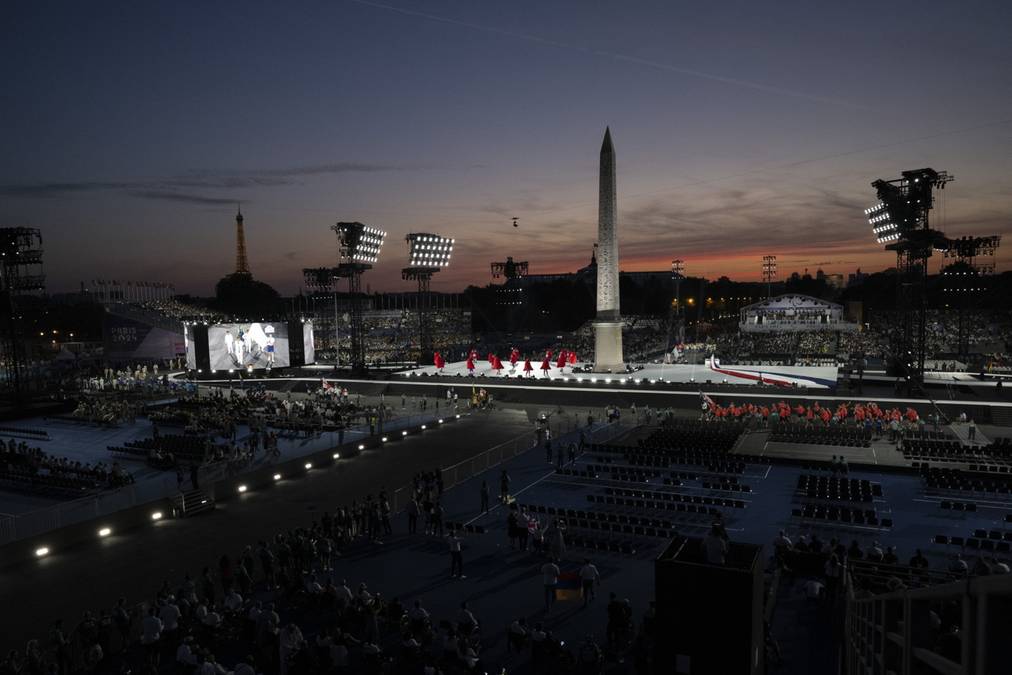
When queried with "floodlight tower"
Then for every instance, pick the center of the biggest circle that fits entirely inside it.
(21, 275)
(676, 323)
(428, 254)
(510, 294)
(358, 248)
(769, 273)
(900, 221)
(965, 280)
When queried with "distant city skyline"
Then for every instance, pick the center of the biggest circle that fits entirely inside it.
(132, 132)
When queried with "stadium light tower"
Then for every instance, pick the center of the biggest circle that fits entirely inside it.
(676, 323)
(428, 253)
(769, 273)
(900, 221)
(358, 248)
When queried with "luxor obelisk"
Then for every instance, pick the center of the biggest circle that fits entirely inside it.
(608, 325)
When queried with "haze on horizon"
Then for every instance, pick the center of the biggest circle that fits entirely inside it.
(741, 129)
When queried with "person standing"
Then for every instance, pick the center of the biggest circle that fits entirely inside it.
(484, 496)
(413, 515)
(504, 486)
(971, 430)
(548, 450)
(589, 578)
(550, 577)
(456, 556)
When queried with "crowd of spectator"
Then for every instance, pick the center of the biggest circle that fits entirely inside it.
(25, 467)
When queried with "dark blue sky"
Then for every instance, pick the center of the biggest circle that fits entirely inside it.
(130, 130)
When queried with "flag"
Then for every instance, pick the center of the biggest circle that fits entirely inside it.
(569, 586)
(708, 403)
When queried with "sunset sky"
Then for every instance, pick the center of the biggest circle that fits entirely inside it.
(131, 130)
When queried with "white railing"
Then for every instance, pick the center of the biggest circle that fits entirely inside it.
(891, 632)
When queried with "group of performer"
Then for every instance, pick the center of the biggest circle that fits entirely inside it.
(562, 359)
(860, 414)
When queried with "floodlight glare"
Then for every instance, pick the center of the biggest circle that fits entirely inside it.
(157, 515)
(309, 465)
(277, 476)
(104, 532)
(430, 251)
(42, 552)
(359, 243)
(242, 488)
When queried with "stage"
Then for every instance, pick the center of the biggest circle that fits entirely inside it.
(808, 377)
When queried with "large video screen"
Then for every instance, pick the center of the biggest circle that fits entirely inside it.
(307, 342)
(240, 345)
(191, 355)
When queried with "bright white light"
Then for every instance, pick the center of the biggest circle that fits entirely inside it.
(404, 433)
(361, 446)
(104, 532)
(277, 476)
(458, 417)
(42, 552)
(309, 465)
(157, 515)
(440, 421)
(423, 427)
(384, 439)
(242, 488)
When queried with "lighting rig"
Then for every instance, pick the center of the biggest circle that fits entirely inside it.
(358, 248)
(676, 322)
(21, 275)
(965, 279)
(769, 273)
(900, 221)
(428, 253)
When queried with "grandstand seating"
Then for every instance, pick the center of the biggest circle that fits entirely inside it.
(962, 481)
(843, 515)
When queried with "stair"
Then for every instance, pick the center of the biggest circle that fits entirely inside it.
(192, 503)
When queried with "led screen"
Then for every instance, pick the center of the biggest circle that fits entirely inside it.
(240, 345)
(307, 342)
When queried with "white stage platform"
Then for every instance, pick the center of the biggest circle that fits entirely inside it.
(803, 377)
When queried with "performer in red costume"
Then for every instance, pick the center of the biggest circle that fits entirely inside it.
(545, 366)
(528, 368)
(470, 365)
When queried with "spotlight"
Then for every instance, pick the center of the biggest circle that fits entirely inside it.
(440, 421)
(104, 532)
(423, 427)
(336, 455)
(384, 439)
(277, 476)
(242, 488)
(309, 465)
(157, 515)
(458, 417)
(361, 446)
(42, 552)
(404, 433)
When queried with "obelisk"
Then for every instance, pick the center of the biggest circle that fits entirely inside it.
(608, 325)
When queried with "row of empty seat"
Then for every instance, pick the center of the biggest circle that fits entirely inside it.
(842, 514)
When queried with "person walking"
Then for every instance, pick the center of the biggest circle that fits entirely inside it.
(484, 497)
(456, 556)
(589, 578)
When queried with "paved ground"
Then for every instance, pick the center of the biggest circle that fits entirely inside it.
(93, 576)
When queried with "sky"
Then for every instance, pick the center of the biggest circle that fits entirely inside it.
(130, 131)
